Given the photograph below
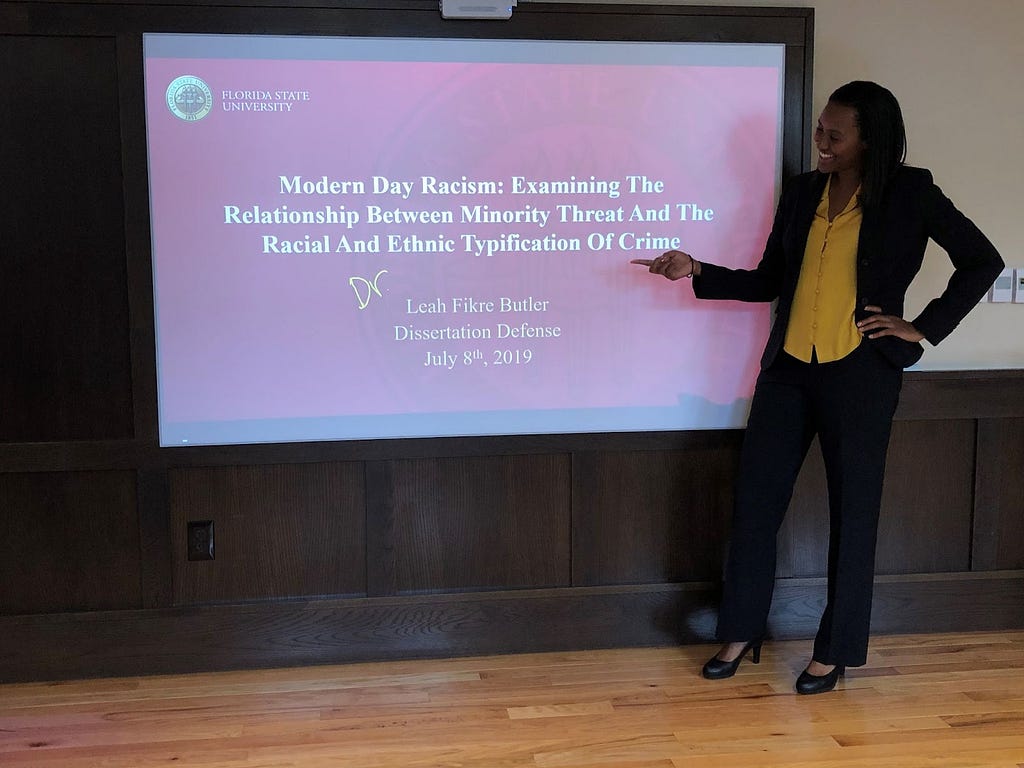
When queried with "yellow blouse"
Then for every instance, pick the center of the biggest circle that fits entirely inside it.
(821, 318)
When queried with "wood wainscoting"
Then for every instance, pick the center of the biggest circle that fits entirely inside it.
(354, 551)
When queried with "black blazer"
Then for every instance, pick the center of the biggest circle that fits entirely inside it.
(893, 236)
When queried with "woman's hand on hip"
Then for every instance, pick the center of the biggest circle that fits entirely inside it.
(888, 325)
(671, 264)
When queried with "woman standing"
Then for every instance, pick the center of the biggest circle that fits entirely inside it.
(846, 242)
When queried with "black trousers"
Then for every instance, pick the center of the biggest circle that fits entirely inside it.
(849, 404)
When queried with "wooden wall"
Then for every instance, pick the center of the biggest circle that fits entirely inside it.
(353, 551)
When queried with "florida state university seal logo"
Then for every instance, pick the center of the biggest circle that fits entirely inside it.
(189, 98)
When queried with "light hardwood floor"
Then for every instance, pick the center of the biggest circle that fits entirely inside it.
(931, 700)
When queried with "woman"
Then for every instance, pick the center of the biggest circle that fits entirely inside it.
(846, 242)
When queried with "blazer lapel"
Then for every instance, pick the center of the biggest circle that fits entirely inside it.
(869, 249)
(810, 196)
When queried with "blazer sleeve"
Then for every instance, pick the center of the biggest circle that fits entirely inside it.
(762, 283)
(975, 260)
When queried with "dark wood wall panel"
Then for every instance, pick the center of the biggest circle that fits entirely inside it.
(68, 542)
(481, 523)
(63, 295)
(962, 395)
(652, 516)
(927, 502)
(154, 537)
(999, 516)
(279, 531)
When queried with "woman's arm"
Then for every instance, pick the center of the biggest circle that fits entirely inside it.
(762, 283)
(977, 264)
(710, 281)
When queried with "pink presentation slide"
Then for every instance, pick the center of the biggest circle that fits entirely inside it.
(357, 249)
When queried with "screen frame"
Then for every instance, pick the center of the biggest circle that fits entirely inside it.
(790, 27)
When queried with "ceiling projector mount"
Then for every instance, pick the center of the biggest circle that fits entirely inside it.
(477, 9)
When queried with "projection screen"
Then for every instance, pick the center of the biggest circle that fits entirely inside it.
(362, 238)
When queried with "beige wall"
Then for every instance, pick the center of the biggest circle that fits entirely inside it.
(957, 67)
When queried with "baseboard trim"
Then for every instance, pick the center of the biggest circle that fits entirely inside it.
(292, 633)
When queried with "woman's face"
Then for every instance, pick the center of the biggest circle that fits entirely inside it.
(837, 138)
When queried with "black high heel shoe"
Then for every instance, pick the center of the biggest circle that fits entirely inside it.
(808, 684)
(716, 669)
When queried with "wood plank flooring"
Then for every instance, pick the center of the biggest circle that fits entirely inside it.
(923, 701)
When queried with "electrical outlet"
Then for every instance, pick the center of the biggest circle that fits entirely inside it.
(200, 539)
(1002, 289)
